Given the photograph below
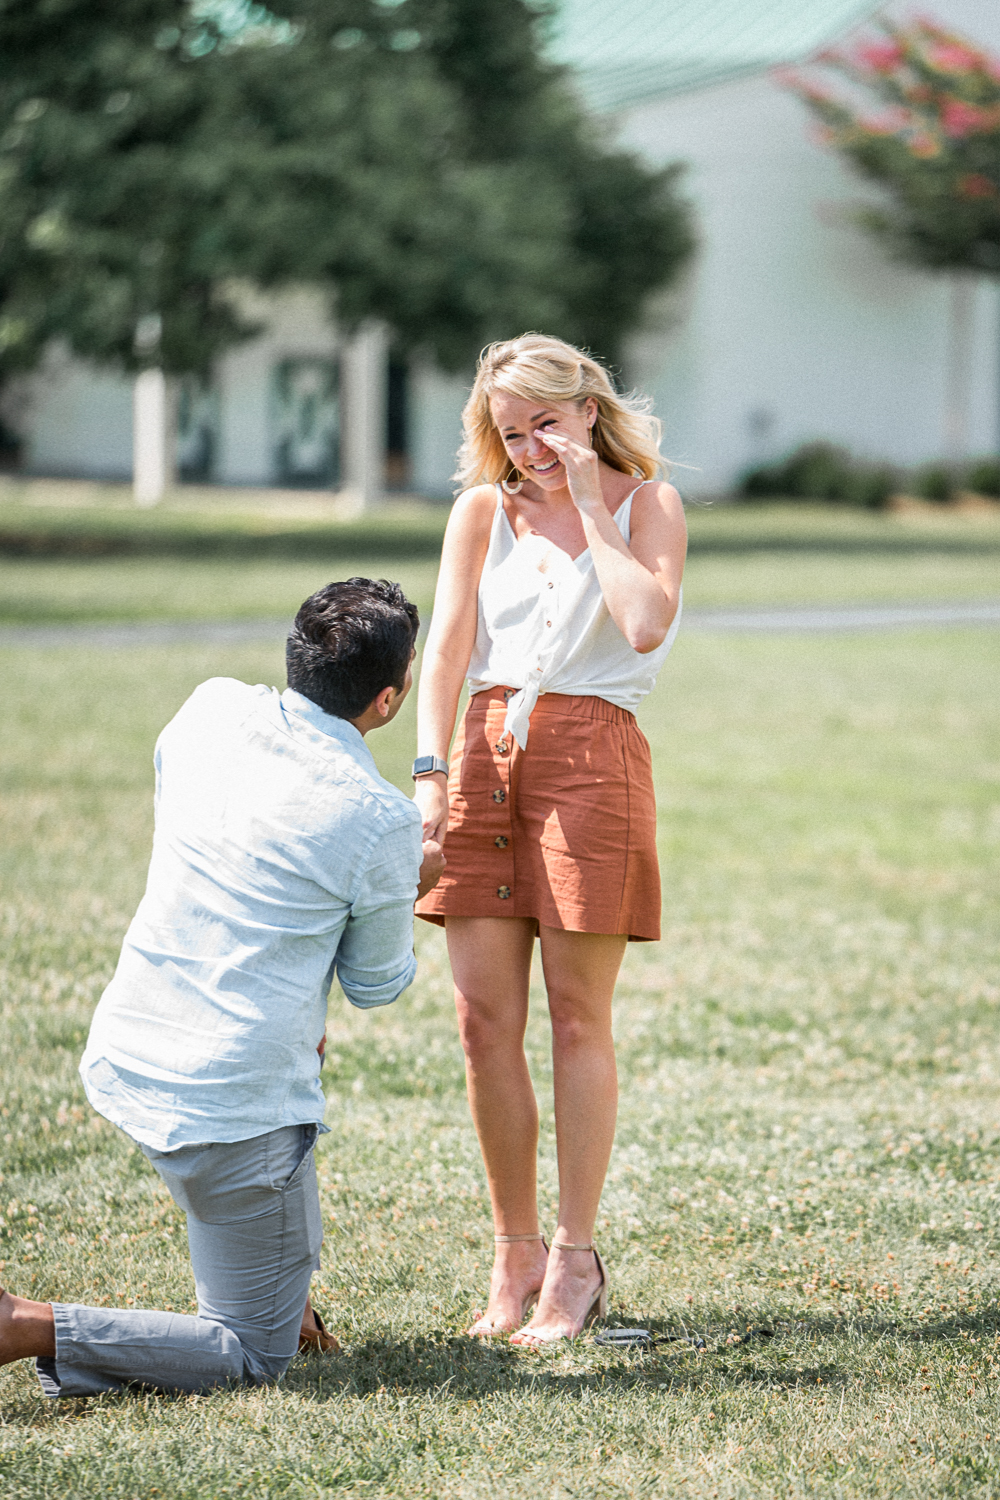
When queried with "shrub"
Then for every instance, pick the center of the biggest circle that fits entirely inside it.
(934, 482)
(983, 477)
(822, 471)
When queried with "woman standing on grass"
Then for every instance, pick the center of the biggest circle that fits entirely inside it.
(559, 597)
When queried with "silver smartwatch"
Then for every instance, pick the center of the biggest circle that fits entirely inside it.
(426, 765)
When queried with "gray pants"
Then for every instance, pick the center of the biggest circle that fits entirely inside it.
(254, 1231)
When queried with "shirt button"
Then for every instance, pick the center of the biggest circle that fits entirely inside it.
(508, 694)
(503, 891)
(499, 795)
(501, 747)
(500, 841)
(551, 585)
(549, 624)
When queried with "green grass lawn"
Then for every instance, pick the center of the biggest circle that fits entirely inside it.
(243, 555)
(805, 1190)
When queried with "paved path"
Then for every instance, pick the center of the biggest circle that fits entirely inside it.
(785, 620)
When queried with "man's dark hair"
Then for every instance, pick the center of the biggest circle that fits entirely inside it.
(349, 641)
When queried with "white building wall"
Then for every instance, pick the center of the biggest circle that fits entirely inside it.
(795, 324)
(77, 420)
(436, 402)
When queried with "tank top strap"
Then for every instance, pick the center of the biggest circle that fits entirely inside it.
(623, 516)
(499, 496)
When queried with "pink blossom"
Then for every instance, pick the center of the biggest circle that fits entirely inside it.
(952, 57)
(960, 119)
(879, 57)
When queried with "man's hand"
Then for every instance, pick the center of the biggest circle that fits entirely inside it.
(432, 868)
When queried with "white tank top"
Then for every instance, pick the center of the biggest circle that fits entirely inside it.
(544, 627)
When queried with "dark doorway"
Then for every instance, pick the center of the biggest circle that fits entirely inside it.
(397, 436)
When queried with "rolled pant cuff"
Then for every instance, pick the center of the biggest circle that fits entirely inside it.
(107, 1348)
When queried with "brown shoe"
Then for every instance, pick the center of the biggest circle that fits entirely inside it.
(317, 1340)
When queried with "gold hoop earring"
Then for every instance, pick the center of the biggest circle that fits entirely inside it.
(512, 489)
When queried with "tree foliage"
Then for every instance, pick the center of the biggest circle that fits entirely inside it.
(419, 159)
(920, 116)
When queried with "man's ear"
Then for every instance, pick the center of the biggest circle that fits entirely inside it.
(383, 701)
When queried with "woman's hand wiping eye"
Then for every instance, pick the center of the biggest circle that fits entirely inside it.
(582, 468)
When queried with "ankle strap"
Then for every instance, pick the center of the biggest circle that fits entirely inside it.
(558, 1245)
(514, 1239)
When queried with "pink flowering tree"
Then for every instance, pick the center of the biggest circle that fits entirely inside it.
(917, 110)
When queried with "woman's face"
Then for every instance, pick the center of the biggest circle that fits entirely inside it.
(518, 420)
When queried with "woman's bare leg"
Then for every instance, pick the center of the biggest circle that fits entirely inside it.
(580, 973)
(491, 964)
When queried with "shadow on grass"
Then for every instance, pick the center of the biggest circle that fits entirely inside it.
(773, 1356)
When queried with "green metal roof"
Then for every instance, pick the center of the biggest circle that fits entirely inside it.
(625, 51)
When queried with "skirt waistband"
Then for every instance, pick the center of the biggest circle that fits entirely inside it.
(551, 705)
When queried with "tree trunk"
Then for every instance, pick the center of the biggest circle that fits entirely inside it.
(364, 392)
(152, 437)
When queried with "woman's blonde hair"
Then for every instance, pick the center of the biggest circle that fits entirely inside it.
(537, 368)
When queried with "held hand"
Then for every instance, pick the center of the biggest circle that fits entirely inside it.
(431, 796)
(432, 868)
(582, 467)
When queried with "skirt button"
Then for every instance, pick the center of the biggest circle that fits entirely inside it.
(503, 891)
(500, 841)
(499, 795)
(501, 747)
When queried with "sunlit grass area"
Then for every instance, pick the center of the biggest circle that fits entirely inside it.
(804, 1200)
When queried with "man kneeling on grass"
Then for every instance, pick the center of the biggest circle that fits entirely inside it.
(280, 856)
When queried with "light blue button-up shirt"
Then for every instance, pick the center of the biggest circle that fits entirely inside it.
(280, 856)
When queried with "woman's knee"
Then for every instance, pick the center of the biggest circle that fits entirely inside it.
(486, 1028)
(577, 1026)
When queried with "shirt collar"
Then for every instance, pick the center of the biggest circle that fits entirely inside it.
(341, 730)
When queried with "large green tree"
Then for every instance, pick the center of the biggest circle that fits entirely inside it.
(419, 159)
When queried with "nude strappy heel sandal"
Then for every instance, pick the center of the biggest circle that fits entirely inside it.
(598, 1308)
(487, 1330)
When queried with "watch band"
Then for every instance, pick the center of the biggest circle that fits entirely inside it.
(426, 765)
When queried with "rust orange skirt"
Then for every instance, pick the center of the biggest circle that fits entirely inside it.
(563, 832)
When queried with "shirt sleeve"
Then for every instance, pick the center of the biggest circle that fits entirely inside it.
(375, 961)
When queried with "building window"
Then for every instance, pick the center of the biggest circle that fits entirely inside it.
(197, 430)
(306, 423)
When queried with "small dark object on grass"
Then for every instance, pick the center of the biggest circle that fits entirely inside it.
(750, 1335)
(627, 1338)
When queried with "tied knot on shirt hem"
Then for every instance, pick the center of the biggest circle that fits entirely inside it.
(519, 711)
